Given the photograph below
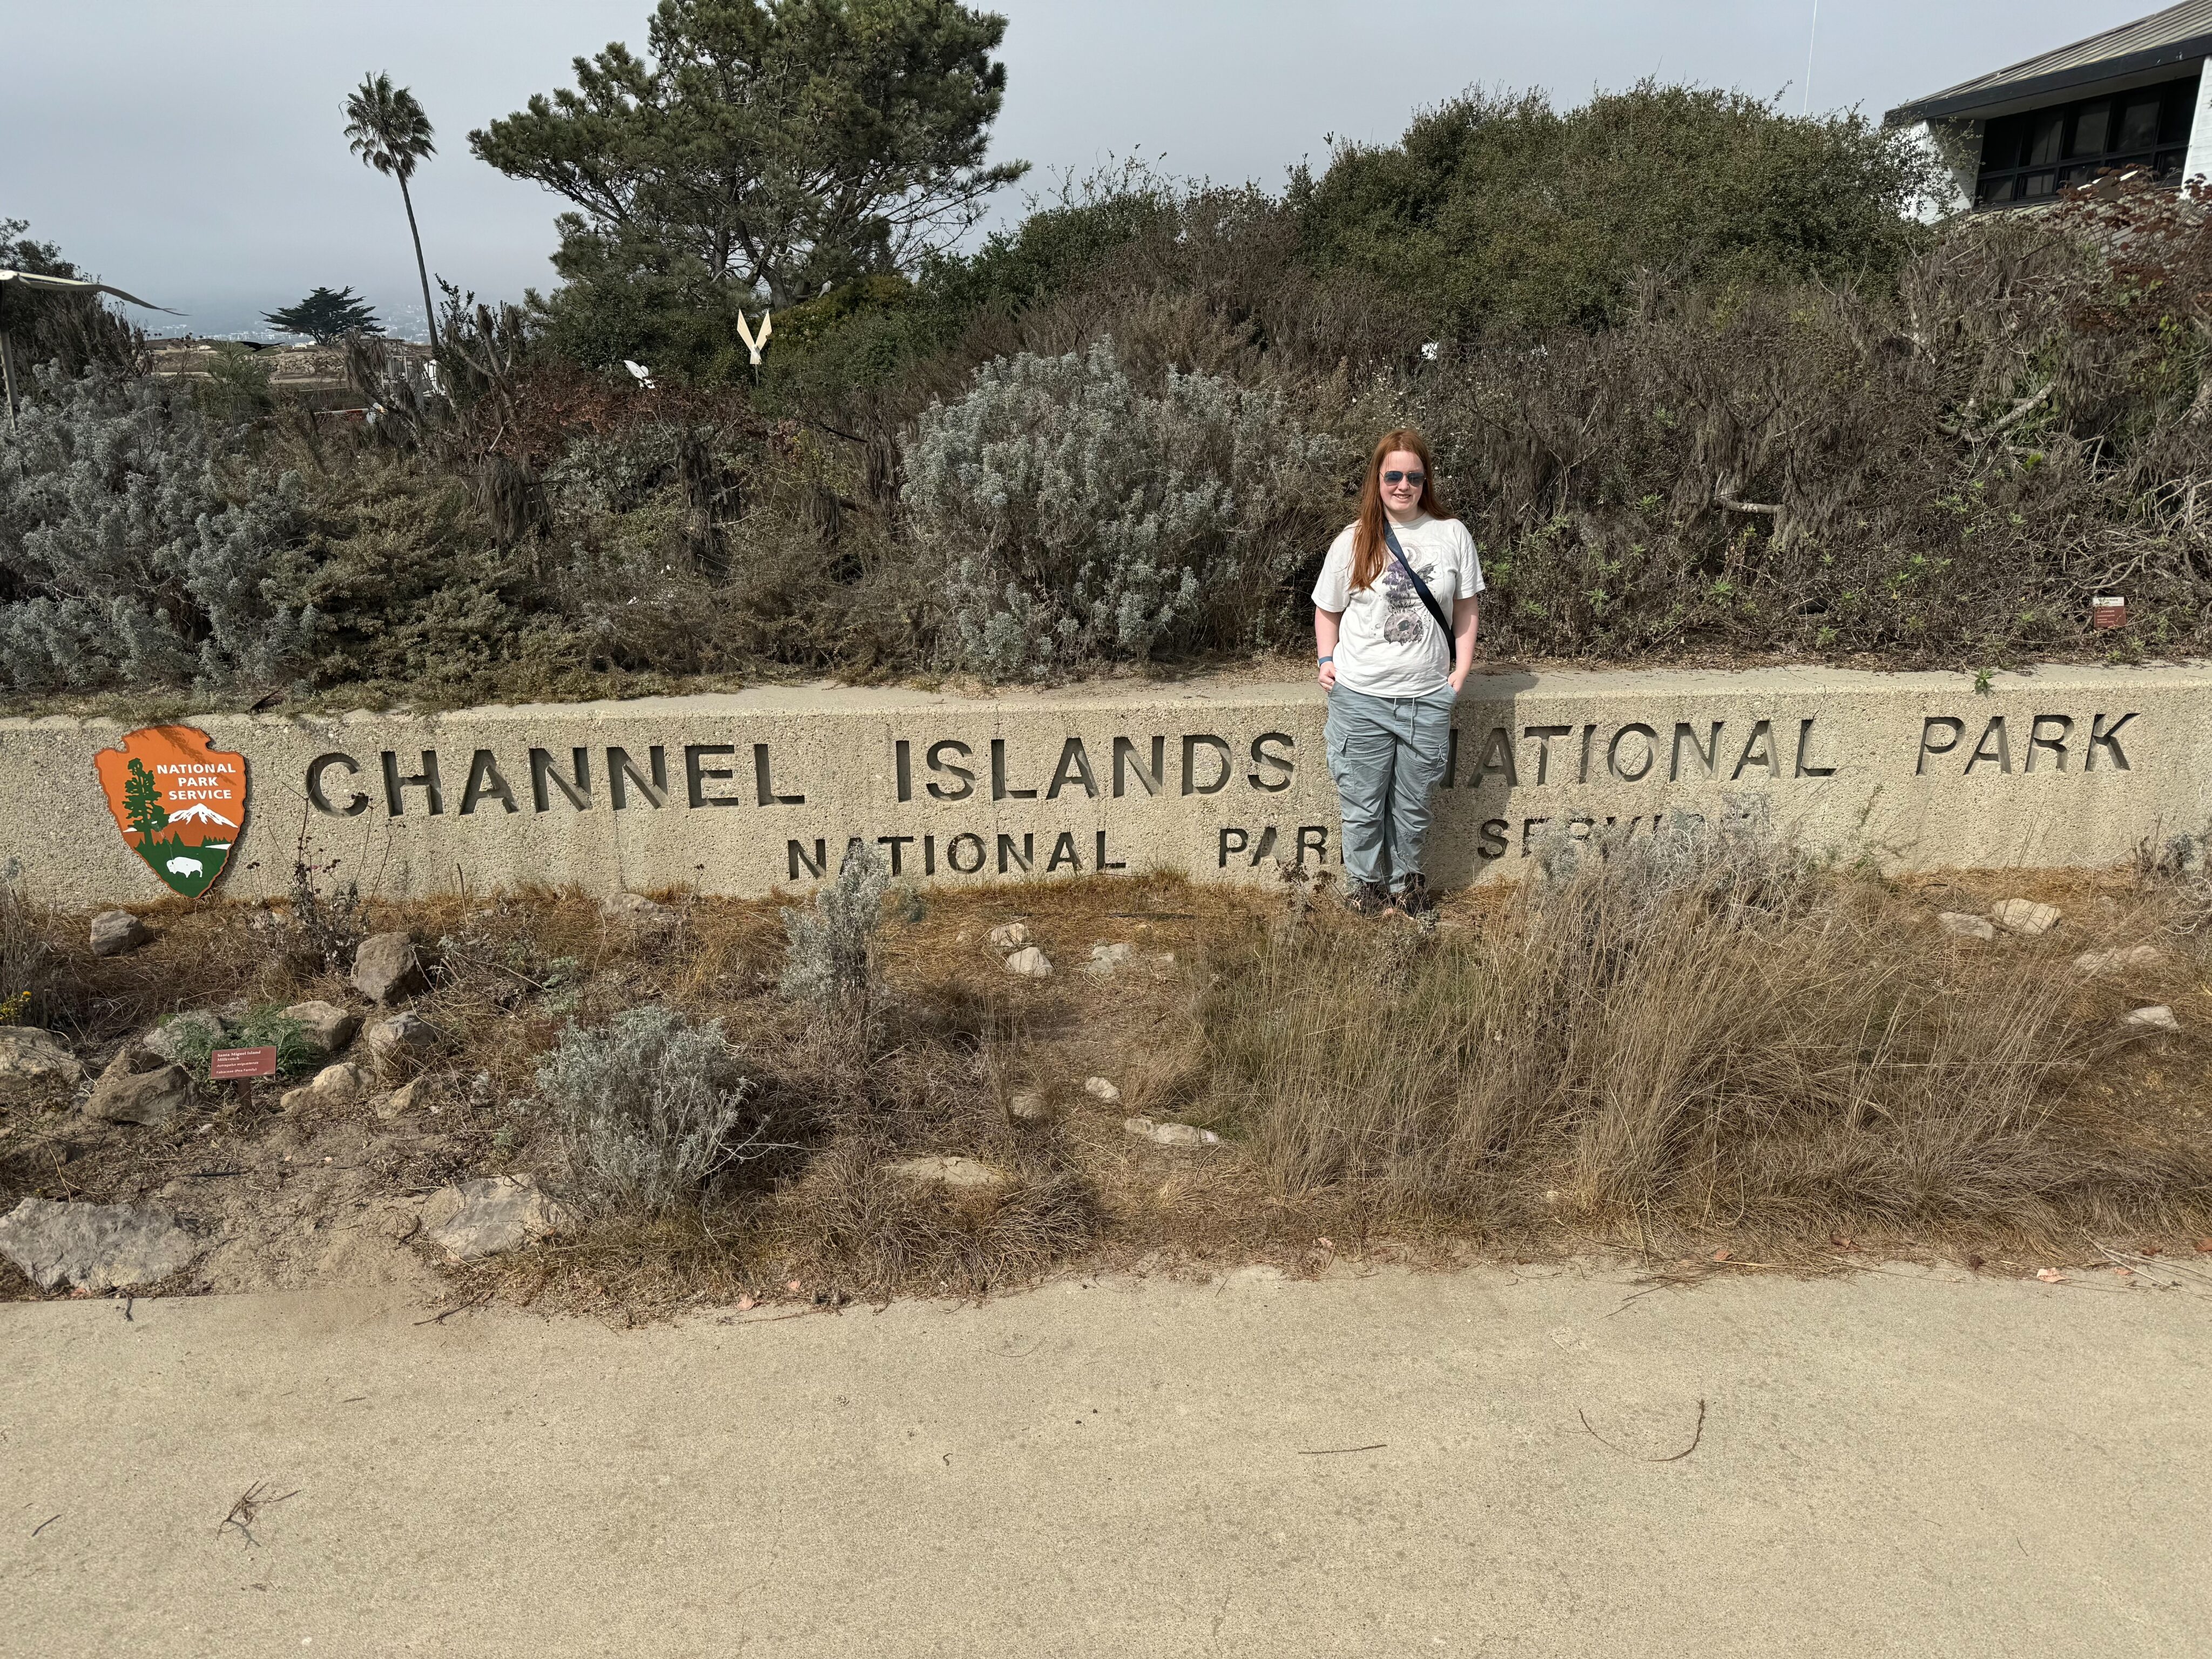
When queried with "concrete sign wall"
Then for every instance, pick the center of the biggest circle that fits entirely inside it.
(1219, 780)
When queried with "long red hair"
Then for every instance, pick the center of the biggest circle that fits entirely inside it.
(1369, 549)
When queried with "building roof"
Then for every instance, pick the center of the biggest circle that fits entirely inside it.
(2179, 34)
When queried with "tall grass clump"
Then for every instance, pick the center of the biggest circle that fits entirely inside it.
(648, 1108)
(27, 965)
(1689, 1030)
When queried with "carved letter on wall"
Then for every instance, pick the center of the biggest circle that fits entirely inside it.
(622, 772)
(1544, 734)
(2001, 755)
(2055, 746)
(697, 773)
(1650, 752)
(1000, 789)
(766, 789)
(1762, 739)
(485, 781)
(937, 762)
(1805, 768)
(1075, 767)
(1497, 758)
(1957, 729)
(316, 768)
(578, 794)
(2106, 737)
(1153, 779)
(396, 786)
(1264, 756)
(1708, 752)
(1220, 751)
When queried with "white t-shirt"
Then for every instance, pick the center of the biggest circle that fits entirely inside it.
(1388, 645)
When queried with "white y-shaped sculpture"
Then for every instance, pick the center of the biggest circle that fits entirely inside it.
(753, 344)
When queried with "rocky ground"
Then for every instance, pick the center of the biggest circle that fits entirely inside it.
(399, 1142)
(1040, 1101)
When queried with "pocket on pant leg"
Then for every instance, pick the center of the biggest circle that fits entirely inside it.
(1427, 745)
(1360, 761)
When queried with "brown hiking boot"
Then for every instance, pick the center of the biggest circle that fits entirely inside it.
(1367, 898)
(1414, 900)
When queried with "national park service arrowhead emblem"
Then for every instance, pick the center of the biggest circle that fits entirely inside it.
(179, 802)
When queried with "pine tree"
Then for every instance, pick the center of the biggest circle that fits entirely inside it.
(141, 802)
(326, 314)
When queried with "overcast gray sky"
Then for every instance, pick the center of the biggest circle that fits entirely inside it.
(191, 152)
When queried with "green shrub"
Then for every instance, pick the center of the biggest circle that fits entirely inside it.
(124, 560)
(832, 956)
(263, 1027)
(648, 1108)
(1496, 210)
(1079, 520)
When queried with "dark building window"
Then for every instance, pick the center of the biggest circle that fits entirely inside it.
(2031, 156)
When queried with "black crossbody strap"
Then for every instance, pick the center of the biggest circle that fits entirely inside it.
(1421, 587)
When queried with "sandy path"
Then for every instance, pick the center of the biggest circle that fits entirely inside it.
(1897, 1463)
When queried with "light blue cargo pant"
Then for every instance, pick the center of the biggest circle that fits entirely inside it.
(1387, 754)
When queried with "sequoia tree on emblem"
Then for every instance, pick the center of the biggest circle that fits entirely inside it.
(179, 802)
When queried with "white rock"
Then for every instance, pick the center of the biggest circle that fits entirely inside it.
(123, 1095)
(401, 1033)
(962, 1173)
(1099, 1089)
(32, 1061)
(386, 968)
(479, 1218)
(638, 911)
(168, 1039)
(115, 931)
(324, 1026)
(1009, 936)
(1964, 927)
(1105, 958)
(2126, 956)
(413, 1096)
(1029, 963)
(1169, 1134)
(340, 1084)
(93, 1246)
(1029, 1106)
(2024, 915)
(2157, 1018)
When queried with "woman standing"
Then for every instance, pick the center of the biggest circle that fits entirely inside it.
(1395, 618)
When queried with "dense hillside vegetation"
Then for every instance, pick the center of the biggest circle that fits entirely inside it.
(1703, 378)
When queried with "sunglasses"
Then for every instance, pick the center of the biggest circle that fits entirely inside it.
(1416, 479)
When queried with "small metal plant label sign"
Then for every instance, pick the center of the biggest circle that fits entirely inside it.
(179, 802)
(229, 1065)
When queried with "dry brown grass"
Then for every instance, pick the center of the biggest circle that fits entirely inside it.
(1730, 1051)
(1733, 1045)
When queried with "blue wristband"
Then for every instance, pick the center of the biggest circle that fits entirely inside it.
(1330, 657)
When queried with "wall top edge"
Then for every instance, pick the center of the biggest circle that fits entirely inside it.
(1221, 691)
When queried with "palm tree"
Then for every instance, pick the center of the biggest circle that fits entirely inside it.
(389, 131)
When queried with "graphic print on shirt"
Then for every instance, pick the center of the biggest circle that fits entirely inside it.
(1406, 615)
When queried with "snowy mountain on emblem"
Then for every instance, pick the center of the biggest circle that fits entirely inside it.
(201, 812)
